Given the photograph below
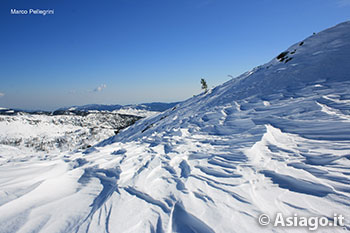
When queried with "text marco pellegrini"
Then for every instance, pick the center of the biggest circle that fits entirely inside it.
(32, 12)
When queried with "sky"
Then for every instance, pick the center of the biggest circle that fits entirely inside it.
(136, 51)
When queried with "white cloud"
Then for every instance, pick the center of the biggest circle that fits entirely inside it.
(100, 88)
(2, 94)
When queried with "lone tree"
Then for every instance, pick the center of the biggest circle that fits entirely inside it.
(204, 85)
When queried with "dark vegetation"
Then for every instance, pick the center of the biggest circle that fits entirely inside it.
(204, 85)
(283, 57)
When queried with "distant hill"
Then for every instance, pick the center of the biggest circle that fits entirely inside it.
(155, 106)
(133, 109)
(91, 107)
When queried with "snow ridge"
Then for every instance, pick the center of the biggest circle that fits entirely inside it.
(275, 139)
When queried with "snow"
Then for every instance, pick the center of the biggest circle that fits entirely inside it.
(60, 132)
(136, 112)
(273, 140)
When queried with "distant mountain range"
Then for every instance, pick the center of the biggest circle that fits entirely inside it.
(155, 106)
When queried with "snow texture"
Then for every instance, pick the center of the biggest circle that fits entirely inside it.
(275, 139)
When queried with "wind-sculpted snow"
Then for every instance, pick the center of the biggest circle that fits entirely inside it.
(274, 140)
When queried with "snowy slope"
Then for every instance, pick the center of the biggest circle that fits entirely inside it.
(136, 112)
(48, 133)
(275, 139)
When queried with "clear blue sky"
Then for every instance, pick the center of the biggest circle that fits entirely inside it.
(132, 51)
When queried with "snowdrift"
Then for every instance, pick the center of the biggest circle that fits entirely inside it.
(273, 140)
